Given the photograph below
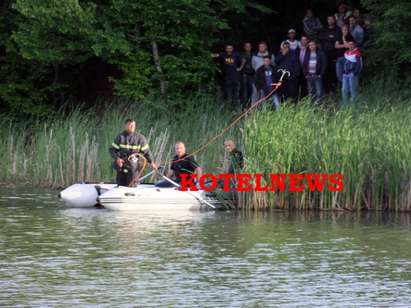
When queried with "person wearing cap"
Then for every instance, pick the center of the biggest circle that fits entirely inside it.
(294, 43)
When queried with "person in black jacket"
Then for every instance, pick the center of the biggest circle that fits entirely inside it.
(314, 66)
(265, 77)
(247, 74)
(127, 143)
(328, 36)
(231, 63)
(182, 164)
(288, 60)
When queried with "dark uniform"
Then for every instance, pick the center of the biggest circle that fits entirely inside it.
(236, 161)
(180, 165)
(183, 165)
(123, 146)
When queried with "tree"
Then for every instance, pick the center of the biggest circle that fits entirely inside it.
(390, 47)
(160, 46)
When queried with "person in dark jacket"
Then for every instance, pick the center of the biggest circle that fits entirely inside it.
(311, 24)
(247, 74)
(348, 70)
(301, 51)
(231, 63)
(182, 163)
(328, 36)
(266, 76)
(125, 144)
(288, 60)
(236, 158)
(315, 64)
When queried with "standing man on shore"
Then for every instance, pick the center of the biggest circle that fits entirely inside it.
(129, 142)
(248, 75)
(231, 70)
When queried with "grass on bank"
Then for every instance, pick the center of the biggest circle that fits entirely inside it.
(73, 147)
(370, 145)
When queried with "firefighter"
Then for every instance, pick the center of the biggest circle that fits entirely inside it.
(127, 143)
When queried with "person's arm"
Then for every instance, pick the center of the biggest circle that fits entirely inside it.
(145, 150)
(115, 151)
(199, 172)
(358, 67)
(215, 55)
(170, 172)
(196, 167)
(243, 62)
(339, 68)
(254, 63)
(339, 45)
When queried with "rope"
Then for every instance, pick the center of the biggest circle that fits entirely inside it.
(137, 177)
(276, 86)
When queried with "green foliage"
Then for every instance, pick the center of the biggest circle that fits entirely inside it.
(45, 42)
(390, 33)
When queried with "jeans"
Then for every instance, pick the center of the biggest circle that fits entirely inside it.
(275, 99)
(315, 87)
(349, 86)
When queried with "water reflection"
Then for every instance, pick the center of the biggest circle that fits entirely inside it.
(51, 255)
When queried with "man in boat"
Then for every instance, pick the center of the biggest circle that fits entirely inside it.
(182, 163)
(236, 158)
(130, 142)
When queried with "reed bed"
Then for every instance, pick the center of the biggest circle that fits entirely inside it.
(369, 144)
(72, 146)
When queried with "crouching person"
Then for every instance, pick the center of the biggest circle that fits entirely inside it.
(182, 163)
(266, 76)
(348, 70)
(129, 150)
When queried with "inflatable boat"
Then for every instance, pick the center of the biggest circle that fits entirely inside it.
(142, 197)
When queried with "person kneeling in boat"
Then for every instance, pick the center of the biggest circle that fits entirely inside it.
(182, 163)
(235, 161)
(127, 143)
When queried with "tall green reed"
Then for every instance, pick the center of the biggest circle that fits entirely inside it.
(73, 146)
(369, 144)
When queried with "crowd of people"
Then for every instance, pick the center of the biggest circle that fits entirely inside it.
(322, 59)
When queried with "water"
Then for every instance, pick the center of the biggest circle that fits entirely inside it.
(53, 256)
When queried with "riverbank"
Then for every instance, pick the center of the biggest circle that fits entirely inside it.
(370, 145)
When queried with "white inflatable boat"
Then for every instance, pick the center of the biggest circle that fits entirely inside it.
(142, 197)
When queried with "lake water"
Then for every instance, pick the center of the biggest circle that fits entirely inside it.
(54, 256)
